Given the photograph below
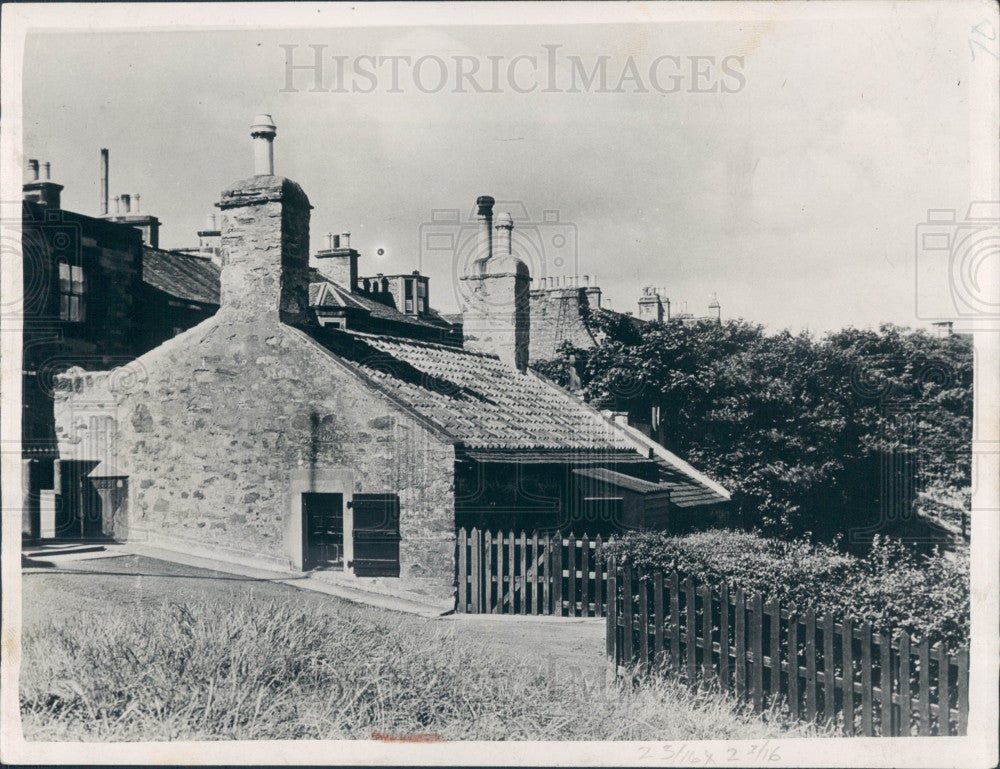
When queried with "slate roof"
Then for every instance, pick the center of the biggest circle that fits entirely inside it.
(622, 481)
(185, 276)
(475, 399)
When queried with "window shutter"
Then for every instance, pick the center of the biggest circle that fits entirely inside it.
(376, 535)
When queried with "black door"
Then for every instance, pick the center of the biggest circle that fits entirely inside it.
(324, 523)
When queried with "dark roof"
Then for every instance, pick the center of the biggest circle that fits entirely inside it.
(184, 276)
(686, 491)
(623, 481)
(474, 399)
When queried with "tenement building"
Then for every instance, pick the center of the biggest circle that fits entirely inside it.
(289, 429)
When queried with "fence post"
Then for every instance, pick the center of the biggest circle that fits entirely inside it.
(643, 586)
(905, 702)
(829, 670)
(523, 544)
(675, 622)
(612, 616)
(811, 664)
(793, 662)
(547, 582)
(944, 691)
(847, 659)
(536, 581)
(462, 575)
(585, 577)
(866, 680)
(476, 575)
(627, 598)
(511, 574)
(600, 578)
(557, 578)
(887, 729)
(658, 620)
(741, 649)
(707, 613)
(924, 695)
(963, 690)
(774, 609)
(690, 634)
(724, 636)
(757, 649)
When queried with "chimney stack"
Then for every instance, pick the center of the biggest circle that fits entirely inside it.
(265, 243)
(497, 315)
(104, 182)
(263, 132)
(41, 190)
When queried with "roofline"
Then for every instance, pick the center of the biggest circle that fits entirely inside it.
(356, 370)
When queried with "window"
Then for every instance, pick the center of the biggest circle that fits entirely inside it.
(72, 292)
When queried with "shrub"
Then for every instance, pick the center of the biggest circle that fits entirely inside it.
(891, 587)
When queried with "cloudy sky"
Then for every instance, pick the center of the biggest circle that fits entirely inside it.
(790, 185)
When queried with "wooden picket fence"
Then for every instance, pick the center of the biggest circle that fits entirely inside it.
(824, 668)
(509, 573)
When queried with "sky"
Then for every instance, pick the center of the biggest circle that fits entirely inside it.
(790, 186)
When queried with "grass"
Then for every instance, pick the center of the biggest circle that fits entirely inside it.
(203, 670)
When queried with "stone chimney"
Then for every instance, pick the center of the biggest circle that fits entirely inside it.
(715, 309)
(265, 245)
(593, 292)
(42, 190)
(497, 315)
(338, 261)
(650, 306)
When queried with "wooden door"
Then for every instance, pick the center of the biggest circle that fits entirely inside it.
(324, 525)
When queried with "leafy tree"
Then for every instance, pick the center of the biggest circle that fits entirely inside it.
(800, 430)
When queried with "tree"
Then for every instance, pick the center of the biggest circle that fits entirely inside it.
(800, 430)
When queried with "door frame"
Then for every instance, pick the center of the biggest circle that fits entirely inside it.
(314, 480)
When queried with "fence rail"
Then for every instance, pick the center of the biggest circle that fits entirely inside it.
(509, 573)
(823, 668)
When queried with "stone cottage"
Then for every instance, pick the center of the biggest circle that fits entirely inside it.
(262, 436)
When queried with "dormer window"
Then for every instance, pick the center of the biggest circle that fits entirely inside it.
(72, 292)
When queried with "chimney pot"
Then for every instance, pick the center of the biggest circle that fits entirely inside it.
(263, 132)
(126, 204)
(210, 222)
(118, 208)
(48, 170)
(345, 239)
(484, 212)
(33, 169)
(135, 197)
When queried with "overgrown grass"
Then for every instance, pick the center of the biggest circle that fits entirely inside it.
(258, 670)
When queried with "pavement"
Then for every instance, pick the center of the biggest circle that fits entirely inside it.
(49, 557)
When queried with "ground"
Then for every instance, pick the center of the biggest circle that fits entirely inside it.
(91, 585)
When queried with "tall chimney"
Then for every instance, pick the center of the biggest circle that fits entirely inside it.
(484, 243)
(33, 170)
(104, 182)
(497, 315)
(263, 132)
(265, 247)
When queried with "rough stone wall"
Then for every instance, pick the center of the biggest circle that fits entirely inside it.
(224, 414)
(497, 319)
(557, 316)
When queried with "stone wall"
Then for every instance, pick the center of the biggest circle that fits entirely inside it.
(225, 415)
(557, 316)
